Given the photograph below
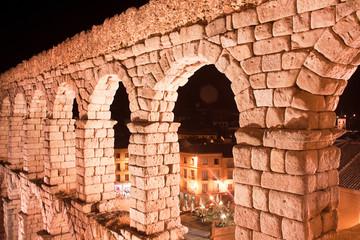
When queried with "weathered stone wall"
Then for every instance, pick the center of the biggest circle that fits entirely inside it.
(288, 62)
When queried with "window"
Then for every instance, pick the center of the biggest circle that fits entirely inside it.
(185, 160)
(127, 177)
(192, 174)
(126, 155)
(216, 187)
(230, 175)
(216, 161)
(118, 177)
(126, 166)
(192, 161)
(118, 167)
(185, 185)
(230, 163)
(204, 162)
(229, 186)
(117, 155)
(205, 175)
(216, 174)
(204, 188)
(185, 173)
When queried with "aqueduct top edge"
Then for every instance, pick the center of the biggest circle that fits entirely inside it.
(122, 31)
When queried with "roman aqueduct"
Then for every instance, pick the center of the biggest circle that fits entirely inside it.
(288, 62)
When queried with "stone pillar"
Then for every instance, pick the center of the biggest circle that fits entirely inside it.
(11, 212)
(59, 162)
(4, 131)
(155, 177)
(2, 220)
(95, 164)
(16, 141)
(34, 148)
(285, 183)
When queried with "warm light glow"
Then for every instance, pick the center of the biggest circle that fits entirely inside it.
(195, 160)
(202, 207)
(220, 203)
(194, 186)
(223, 216)
(211, 198)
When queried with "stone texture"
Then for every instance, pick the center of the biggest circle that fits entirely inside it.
(281, 79)
(275, 10)
(272, 45)
(310, 5)
(270, 224)
(245, 18)
(283, 27)
(305, 39)
(348, 29)
(247, 217)
(285, 136)
(339, 52)
(325, 68)
(323, 18)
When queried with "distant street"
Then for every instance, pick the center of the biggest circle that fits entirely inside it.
(197, 229)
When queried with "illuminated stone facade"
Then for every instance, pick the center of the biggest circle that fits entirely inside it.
(205, 172)
(288, 61)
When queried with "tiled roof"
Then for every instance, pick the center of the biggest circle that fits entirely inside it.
(349, 150)
(349, 169)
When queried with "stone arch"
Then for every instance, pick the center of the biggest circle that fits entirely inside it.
(4, 128)
(95, 134)
(59, 162)
(31, 219)
(12, 204)
(16, 132)
(60, 226)
(34, 136)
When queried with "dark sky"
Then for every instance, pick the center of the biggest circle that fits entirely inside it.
(29, 27)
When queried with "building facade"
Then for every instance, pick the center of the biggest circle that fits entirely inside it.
(206, 172)
(122, 175)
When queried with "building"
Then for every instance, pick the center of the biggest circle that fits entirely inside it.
(349, 184)
(341, 122)
(122, 176)
(206, 171)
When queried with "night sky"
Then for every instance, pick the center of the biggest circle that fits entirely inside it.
(29, 27)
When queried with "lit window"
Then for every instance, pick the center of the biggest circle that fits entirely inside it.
(229, 186)
(216, 174)
(192, 174)
(126, 155)
(185, 160)
(216, 161)
(118, 177)
(127, 177)
(204, 188)
(192, 161)
(230, 175)
(185, 173)
(117, 155)
(126, 166)
(204, 162)
(205, 175)
(118, 167)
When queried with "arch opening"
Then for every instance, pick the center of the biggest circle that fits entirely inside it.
(209, 119)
